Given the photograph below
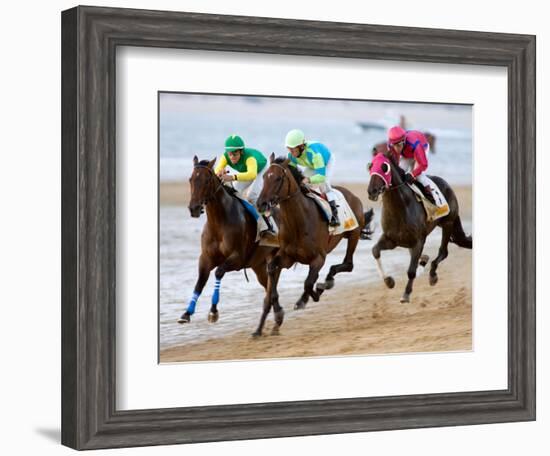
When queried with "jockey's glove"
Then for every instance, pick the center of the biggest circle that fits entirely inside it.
(409, 179)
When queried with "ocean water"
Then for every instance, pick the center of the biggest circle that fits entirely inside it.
(198, 125)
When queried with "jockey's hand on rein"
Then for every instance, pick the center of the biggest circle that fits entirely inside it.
(408, 178)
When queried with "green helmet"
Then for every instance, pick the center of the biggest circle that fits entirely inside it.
(234, 142)
(295, 138)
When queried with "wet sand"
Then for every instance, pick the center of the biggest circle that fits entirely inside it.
(177, 193)
(358, 319)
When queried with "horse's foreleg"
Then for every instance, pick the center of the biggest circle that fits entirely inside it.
(415, 252)
(443, 252)
(311, 278)
(383, 243)
(271, 297)
(302, 302)
(314, 268)
(345, 266)
(214, 315)
(205, 267)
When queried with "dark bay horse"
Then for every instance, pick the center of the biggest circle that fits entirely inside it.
(303, 235)
(228, 240)
(404, 222)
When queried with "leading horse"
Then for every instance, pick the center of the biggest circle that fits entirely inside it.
(228, 240)
(303, 235)
(404, 221)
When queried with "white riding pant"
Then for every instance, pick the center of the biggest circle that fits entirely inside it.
(251, 189)
(408, 164)
(325, 187)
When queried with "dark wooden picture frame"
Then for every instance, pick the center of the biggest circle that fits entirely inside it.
(90, 37)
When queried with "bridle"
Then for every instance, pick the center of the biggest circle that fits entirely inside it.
(282, 181)
(205, 200)
(389, 187)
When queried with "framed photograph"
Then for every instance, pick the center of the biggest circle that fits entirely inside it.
(280, 228)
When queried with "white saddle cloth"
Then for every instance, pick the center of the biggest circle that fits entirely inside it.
(348, 222)
(441, 209)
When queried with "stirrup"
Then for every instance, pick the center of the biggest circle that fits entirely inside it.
(270, 231)
(430, 198)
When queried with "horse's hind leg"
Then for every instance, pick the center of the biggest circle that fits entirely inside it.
(205, 267)
(443, 251)
(383, 243)
(415, 252)
(345, 266)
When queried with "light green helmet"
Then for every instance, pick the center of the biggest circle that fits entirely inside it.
(234, 142)
(295, 138)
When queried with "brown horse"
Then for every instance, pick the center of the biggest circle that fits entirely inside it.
(404, 221)
(228, 240)
(303, 235)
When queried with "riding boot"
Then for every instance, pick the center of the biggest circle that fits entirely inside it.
(334, 221)
(269, 229)
(428, 194)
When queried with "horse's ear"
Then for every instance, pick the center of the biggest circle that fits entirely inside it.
(369, 166)
(385, 168)
(272, 157)
(211, 163)
(195, 160)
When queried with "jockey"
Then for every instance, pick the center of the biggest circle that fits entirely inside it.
(408, 149)
(250, 165)
(317, 161)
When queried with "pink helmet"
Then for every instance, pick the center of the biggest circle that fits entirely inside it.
(396, 134)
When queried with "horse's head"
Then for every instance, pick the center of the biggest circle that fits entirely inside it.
(279, 183)
(380, 176)
(204, 183)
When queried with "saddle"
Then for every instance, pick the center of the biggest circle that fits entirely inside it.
(433, 212)
(348, 221)
(269, 241)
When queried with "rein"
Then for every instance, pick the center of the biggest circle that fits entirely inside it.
(220, 184)
(291, 195)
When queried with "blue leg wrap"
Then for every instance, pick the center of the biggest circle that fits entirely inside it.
(192, 303)
(216, 295)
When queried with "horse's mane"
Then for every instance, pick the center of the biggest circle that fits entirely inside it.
(296, 173)
(228, 188)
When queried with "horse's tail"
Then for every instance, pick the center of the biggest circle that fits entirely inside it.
(366, 230)
(459, 237)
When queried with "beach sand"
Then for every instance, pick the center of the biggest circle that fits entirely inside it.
(177, 193)
(359, 319)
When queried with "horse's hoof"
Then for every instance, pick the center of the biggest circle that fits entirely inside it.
(424, 260)
(256, 335)
(185, 318)
(329, 284)
(433, 279)
(390, 283)
(319, 290)
(300, 305)
(405, 298)
(279, 317)
(213, 317)
(315, 295)
(275, 331)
